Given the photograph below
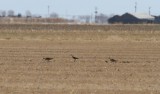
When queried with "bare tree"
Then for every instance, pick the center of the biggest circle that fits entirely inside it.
(2, 13)
(85, 18)
(19, 15)
(54, 15)
(10, 13)
(28, 14)
(102, 18)
(36, 16)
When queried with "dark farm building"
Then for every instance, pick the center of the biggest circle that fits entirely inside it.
(132, 18)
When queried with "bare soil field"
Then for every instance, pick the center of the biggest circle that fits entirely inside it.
(111, 61)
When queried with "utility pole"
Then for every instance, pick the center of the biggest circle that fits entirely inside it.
(149, 10)
(48, 10)
(135, 7)
(96, 12)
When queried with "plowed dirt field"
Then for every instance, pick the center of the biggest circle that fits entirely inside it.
(134, 68)
(23, 70)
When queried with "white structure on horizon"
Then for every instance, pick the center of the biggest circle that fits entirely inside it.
(143, 16)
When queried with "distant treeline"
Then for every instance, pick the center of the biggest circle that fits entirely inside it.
(16, 20)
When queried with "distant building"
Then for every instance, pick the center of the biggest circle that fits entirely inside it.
(132, 18)
(157, 20)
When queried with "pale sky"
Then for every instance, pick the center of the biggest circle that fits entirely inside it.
(80, 7)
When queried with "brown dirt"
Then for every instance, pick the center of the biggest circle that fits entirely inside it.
(22, 70)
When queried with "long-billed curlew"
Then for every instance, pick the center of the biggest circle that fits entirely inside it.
(106, 61)
(112, 60)
(75, 58)
(47, 59)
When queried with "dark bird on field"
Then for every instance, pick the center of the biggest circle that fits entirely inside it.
(75, 58)
(48, 58)
(112, 60)
(106, 61)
